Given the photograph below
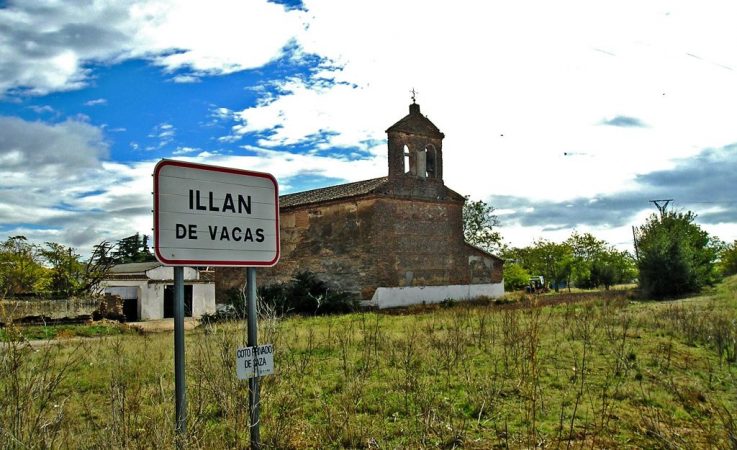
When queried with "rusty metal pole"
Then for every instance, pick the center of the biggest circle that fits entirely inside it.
(181, 400)
(253, 384)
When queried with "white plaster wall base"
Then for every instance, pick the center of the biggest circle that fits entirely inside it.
(417, 295)
(204, 295)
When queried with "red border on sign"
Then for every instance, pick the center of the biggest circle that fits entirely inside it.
(201, 262)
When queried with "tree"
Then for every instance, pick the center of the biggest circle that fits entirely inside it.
(96, 268)
(70, 276)
(515, 276)
(611, 267)
(478, 225)
(675, 255)
(595, 263)
(132, 249)
(587, 260)
(20, 267)
(551, 260)
(728, 259)
(66, 270)
(554, 261)
(26, 268)
(585, 249)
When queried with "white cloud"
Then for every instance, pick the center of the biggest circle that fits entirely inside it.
(41, 109)
(43, 46)
(221, 113)
(186, 79)
(516, 85)
(185, 150)
(305, 111)
(220, 36)
(164, 133)
(57, 183)
(96, 102)
(35, 153)
(46, 48)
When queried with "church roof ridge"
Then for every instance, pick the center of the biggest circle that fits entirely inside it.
(335, 192)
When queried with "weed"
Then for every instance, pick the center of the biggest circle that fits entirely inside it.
(32, 404)
(586, 372)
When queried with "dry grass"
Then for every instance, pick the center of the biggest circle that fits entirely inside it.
(602, 372)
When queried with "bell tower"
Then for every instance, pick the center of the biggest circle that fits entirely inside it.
(415, 147)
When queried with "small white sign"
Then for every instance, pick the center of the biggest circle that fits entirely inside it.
(215, 216)
(254, 361)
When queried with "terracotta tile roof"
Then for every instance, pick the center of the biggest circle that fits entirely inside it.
(332, 192)
(135, 267)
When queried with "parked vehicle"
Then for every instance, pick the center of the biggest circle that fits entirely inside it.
(536, 285)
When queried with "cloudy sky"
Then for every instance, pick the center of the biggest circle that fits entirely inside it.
(563, 115)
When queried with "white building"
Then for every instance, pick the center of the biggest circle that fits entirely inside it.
(147, 290)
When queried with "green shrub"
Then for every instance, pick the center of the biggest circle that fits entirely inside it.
(448, 303)
(236, 298)
(676, 256)
(728, 259)
(276, 296)
(307, 294)
(515, 277)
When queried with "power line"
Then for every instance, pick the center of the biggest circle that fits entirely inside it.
(725, 202)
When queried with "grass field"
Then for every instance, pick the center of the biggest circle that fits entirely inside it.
(36, 332)
(605, 372)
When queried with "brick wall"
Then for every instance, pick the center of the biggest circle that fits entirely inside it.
(332, 240)
(361, 244)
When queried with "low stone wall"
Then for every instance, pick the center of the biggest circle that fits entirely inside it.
(110, 307)
(417, 295)
(16, 309)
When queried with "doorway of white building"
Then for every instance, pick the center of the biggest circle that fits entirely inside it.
(169, 301)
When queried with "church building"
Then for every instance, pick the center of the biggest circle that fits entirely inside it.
(392, 241)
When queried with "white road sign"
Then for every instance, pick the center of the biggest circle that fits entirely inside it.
(254, 361)
(215, 216)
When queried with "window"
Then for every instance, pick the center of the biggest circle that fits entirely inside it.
(431, 162)
(407, 160)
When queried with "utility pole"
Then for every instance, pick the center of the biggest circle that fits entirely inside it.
(661, 205)
(634, 239)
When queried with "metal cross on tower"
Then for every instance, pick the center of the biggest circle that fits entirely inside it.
(414, 96)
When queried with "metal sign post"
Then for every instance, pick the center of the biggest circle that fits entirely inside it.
(253, 384)
(216, 216)
(181, 401)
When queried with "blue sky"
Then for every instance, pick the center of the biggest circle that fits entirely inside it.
(564, 116)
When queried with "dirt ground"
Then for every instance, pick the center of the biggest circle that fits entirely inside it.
(156, 326)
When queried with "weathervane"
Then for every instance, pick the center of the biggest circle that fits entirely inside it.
(414, 96)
